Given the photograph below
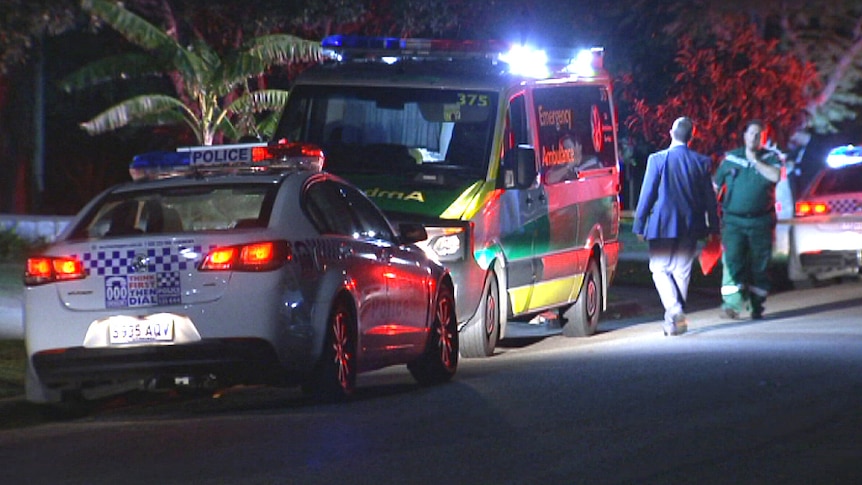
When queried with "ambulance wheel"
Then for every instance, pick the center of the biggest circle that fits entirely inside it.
(582, 318)
(480, 338)
(334, 378)
(439, 361)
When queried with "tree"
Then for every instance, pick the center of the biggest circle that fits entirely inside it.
(825, 33)
(216, 93)
(23, 25)
(829, 35)
(723, 81)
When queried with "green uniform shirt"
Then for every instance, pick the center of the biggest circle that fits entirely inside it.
(749, 195)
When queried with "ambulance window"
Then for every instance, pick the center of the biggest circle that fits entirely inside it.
(518, 132)
(575, 130)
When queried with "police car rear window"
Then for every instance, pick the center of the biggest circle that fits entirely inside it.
(179, 210)
(839, 181)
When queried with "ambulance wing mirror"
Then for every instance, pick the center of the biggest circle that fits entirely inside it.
(519, 168)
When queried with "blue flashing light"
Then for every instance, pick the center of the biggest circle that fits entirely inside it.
(844, 155)
(158, 164)
(360, 42)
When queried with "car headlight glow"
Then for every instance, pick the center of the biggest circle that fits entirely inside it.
(445, 244)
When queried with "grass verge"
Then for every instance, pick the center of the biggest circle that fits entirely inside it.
(12, 358)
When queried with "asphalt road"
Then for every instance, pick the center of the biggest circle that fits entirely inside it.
(771, 401)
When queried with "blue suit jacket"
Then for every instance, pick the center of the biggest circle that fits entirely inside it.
(677, 198)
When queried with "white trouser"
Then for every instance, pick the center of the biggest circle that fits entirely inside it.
(670, 261)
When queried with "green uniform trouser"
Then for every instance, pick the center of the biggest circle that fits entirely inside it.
(745, 261)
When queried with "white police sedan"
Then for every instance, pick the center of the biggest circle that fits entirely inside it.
(826, 231)
(232, 265)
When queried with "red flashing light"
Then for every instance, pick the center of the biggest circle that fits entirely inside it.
(46, 269)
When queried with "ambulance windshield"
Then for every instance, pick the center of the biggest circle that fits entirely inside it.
(386, 129)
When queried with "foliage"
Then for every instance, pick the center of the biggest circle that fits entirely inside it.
(724, 81)
(12, 246)
(12, 359)
(216, 93)
(825, 33)
(829, 35)
(24, 22)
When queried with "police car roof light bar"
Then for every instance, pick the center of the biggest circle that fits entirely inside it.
(227, 159)
(843, 156)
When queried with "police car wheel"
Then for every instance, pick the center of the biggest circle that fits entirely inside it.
(582, 318)
(72, 405)
(335, 376)
(480, 339)
(440, 358)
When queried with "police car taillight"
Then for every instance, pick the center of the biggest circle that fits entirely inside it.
(805, 208)
(223, 159)
(45, 269)
(259, 256)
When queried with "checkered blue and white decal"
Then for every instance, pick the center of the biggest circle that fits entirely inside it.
(142, 274)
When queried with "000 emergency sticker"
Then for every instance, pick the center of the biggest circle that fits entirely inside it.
(141, 290)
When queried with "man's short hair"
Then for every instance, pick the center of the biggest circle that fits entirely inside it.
(682, 129)
(750, 123)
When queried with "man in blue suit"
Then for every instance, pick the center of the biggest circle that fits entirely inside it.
(676, 208)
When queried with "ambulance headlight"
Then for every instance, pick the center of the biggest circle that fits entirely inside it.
(445, 244)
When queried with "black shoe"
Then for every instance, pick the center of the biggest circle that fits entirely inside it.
(757, 315)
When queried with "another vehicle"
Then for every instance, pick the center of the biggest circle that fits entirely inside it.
(507, 156)
(826, 232)
(233, 272)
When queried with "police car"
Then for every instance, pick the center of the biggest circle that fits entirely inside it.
(826, 232)
(233, 265)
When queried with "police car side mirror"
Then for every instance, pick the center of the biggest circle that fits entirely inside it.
(410, 233)
(519, 168)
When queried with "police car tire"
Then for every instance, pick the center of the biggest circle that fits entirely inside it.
(72, 405)
(439, 360)
(480, 339)
(328, 383)
(582, 318)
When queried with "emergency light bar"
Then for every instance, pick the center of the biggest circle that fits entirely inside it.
(843, 156)
(225, 159)
(522, 60)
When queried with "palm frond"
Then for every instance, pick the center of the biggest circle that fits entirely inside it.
(259, 101)
(265, 51)
(136, 110)
(267, 126)
(134, 28)
(123, 66)
(146, 35)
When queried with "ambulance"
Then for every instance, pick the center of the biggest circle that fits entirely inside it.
(508, 156)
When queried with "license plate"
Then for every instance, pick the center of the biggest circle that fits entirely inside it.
(157, 328)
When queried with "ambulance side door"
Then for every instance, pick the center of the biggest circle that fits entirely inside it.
(525, 208)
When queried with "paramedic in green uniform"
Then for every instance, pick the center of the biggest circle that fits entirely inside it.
(747, 176)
